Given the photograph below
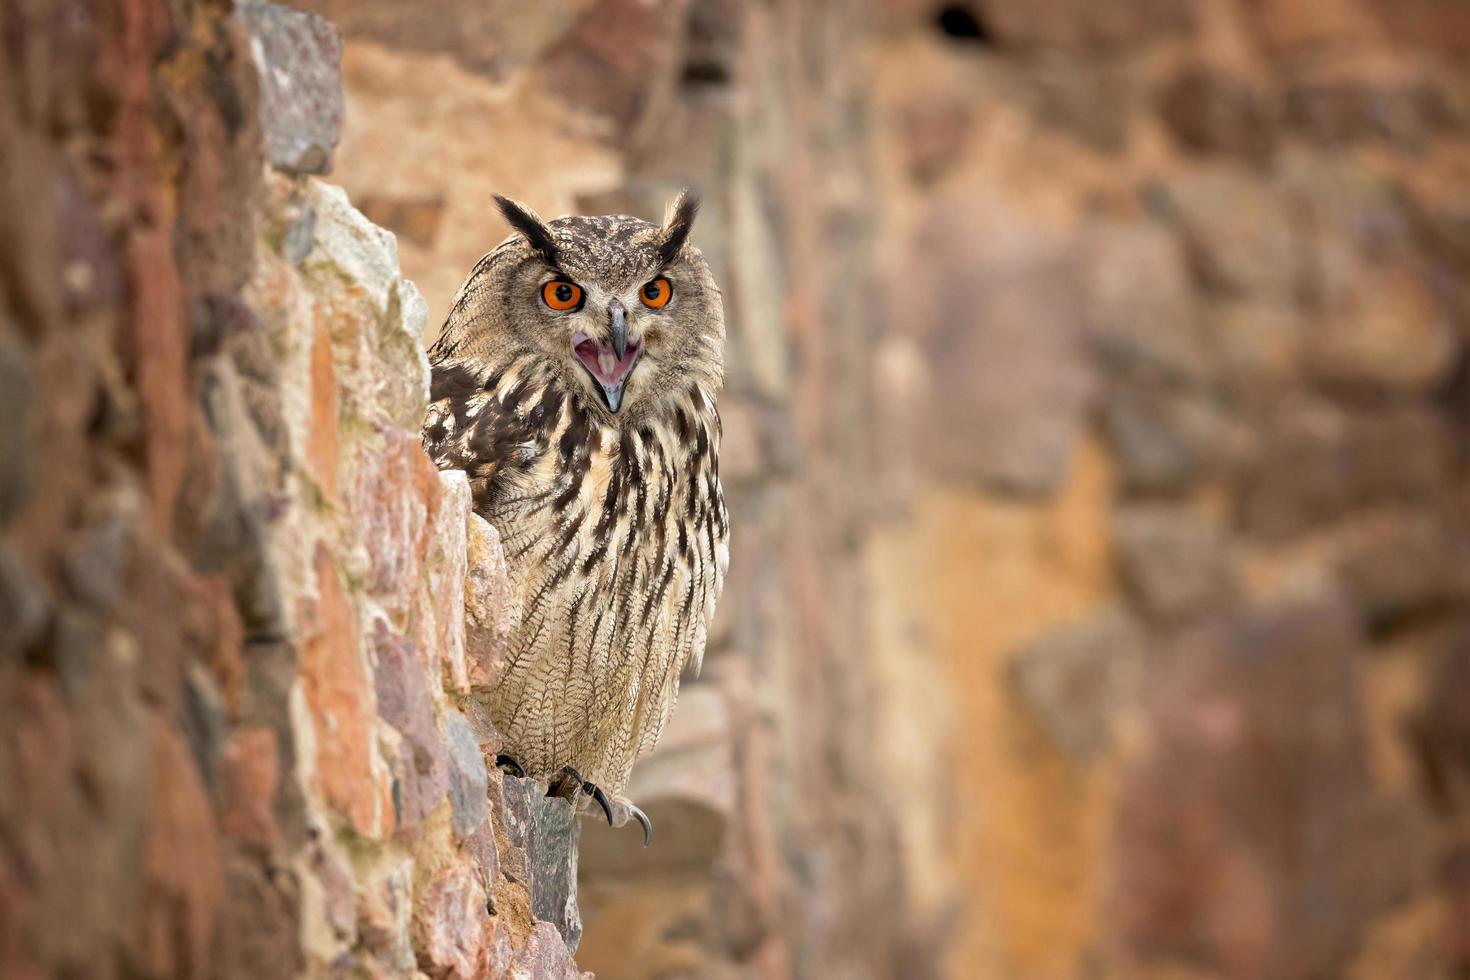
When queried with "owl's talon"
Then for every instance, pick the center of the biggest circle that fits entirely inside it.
(642, 818)
(509, 763)
(601, 798)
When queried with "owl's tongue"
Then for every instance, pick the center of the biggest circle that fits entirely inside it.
(603, 361)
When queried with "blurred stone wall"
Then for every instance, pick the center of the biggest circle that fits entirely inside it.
(1176, 332)
(1096, 438)
(244, 622)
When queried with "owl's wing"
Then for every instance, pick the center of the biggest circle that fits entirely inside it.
(480, 429)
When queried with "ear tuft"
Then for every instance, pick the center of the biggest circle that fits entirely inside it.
(677, 226)
(530, 226)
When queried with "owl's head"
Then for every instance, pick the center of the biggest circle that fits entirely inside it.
(625, 310)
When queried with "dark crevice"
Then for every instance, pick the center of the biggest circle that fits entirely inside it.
(706, 74)
(961, 24)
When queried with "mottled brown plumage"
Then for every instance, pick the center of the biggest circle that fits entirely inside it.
(591, 441)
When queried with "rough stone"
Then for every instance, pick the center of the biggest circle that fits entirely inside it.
(1379, 328)
(545, 955)
(1232, 778)
(1172, 559)
(257, 936)
(15, 396)
(1007, 401)
(1239, 234)
(619, 62)
(299, 56)
(385, 913)
(400, 678)
(1142, 315)
(394, 494)
(491, 611)
(1215, 111)
(446, 569)
(24, 606)
(342, 704)
(1398, 562)
(553, 864)
(450, 924)
(349, 243)
(467, 779)
(1439, 726)
(1081, 679)
(492, 37)
(251, 773)
(1319, 461)
(1072, 25)
(1166, 439)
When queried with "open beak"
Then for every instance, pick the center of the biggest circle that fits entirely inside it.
(610, 364)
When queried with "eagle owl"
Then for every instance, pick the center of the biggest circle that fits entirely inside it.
(575, 383)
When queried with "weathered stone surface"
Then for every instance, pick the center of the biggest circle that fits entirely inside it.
(619, 62)
(450, 924)
(546, 955)
(1166, 439)
(1214, 111)
(1173, 559)
(256, 937)
(467, 779)
(384, 915)
(553, 865)
(1239, 233)
(447, 564)
(1249, 832)
(299, 56)
(1379, 327)
(491, 611)
(1082, 679)
(23, 605)
(542, 834)
(493, 37)
(1142, 315)
(1441, 730)
(338, 691)
(1006, 401)
(1074, 25)
(422, 775)
(1395, 563)
(15, 396)
(1319, 461)
(394, 494)
(250, 775)
(348, 242)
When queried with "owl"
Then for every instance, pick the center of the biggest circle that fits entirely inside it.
(574, 383)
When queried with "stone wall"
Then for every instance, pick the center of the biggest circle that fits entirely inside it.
(1097, 431)
(1097, 446)
(246, 623)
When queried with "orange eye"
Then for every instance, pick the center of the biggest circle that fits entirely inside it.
(561, 295)
(656, 293)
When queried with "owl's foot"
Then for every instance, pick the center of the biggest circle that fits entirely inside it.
(510, 764)
(569, 782)
(642, 818)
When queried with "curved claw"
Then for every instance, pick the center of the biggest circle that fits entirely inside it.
(642, 818)
(601, 798)
(504, 761)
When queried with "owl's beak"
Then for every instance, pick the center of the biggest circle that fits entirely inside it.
(617, 319)
(609, 363)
